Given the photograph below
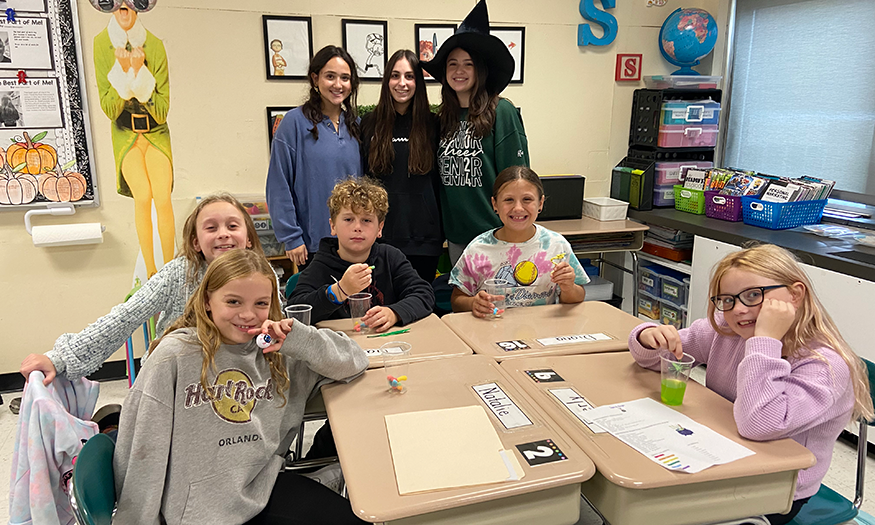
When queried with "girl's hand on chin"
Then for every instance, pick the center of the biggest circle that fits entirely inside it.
(277, 331)
(775, 318)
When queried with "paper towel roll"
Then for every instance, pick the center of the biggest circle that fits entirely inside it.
(68, 234)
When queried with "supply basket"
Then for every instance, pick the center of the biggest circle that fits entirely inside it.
(781, 215)
(723, 207)
(688, 200)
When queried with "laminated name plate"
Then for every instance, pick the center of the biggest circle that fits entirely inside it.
(448, 448)
(510, 415)
(575, 338)
(577, 405)
(667, 437)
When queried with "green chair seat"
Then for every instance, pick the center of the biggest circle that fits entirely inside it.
(93, 494)
(827, 507)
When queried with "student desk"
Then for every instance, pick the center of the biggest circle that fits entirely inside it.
(526, 324)
(629, 489)
(547, 494)
(429, 338)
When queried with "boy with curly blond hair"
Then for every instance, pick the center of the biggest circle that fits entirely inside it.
(352, 262)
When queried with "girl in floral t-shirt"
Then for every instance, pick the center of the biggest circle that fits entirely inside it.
(538, 263)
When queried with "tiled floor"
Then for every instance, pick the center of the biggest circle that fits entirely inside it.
(840, 476)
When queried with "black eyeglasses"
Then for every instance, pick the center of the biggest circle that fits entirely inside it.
(750, 297)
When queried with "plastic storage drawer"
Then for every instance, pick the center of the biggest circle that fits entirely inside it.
(649, 280)
(663, 195)
(671, 313)
(697, 136)
(674, 172)
(648, 306)
(672, 288)
(690, 112)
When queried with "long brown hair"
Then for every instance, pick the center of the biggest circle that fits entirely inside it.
(189, 233)
(312, 108)
(382, 154)
(236, 264)
(812, 327)
(481, 107)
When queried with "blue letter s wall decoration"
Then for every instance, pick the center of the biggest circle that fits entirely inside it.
(589, 11)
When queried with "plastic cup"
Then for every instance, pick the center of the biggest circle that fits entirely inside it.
(674, 376)
(497, 287)
(299, 312)
(359, 304)
(396, 363)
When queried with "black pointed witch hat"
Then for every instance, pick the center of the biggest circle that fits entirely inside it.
(473, 35)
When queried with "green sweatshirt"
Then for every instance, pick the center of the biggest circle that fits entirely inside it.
(468, 167)
(182, 458)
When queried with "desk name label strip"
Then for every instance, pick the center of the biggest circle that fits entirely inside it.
(510, 415)
(576, 338)
(577, 405)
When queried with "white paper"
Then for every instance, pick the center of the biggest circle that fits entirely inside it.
(577, 405)
(26, 43)
(37, 102)
(666, 437)
(510, 415)
(576, 338)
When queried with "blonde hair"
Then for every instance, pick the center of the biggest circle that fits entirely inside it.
(812, 327)
(189, 233)
(236, 264)
(363, 195)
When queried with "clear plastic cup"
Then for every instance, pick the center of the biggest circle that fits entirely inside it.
(299, 312)
(674, 376)
(396, 363)
(359, 304)
(497, 287)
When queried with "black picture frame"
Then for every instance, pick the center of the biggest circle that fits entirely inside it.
(440, 32)
(295, 35)
(517, 37)
(367, 41)
(275, 115)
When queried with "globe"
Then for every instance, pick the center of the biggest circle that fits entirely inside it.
(686, 37)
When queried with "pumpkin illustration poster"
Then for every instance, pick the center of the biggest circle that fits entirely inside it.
(134, 87)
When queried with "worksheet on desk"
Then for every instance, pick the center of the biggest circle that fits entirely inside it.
(668, 438)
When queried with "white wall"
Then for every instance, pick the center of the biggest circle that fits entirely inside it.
(576, 118)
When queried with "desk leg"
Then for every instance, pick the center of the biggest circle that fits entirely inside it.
(635, 270)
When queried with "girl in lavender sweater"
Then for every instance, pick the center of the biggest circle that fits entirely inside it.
(773, 350)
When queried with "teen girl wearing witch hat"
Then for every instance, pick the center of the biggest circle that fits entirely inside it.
(481, 134)
(399, 145)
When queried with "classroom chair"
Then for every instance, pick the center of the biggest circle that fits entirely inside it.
(92, 489)
(828, 507)
(291, 283)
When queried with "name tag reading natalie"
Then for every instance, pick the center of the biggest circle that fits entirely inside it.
(510, 415)
(577, 338)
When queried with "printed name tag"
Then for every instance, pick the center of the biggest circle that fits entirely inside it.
(501, 405)
(510, 346)
(578, 338)
(373, 352)
(541, 452)
(577, 405)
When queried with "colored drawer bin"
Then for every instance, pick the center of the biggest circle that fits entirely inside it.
(780, 215)
(674, 172)
(649, 280)
(689, 200)
(648, 306)
(687, 283)
(704, 136)
(672, 288)
(663, 196)
(679, 112)
(723, 207)
(671, 313)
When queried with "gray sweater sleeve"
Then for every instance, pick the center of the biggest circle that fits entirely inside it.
(77, 355)
(328, 353)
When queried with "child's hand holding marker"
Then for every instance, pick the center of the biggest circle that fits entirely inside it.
(563, 275)
(356, 278)
(662, 337)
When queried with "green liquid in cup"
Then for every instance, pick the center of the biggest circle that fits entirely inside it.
(672, 391)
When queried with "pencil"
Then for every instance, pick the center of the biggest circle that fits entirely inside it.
(396, 332)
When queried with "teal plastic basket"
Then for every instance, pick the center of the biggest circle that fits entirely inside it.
(780, 215)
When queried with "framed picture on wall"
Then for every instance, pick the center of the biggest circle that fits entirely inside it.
(275, 115)
(288, 46)
(429, 38)
(365, 41)
(515, 40)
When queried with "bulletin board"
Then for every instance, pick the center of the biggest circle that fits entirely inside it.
(45, 135)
